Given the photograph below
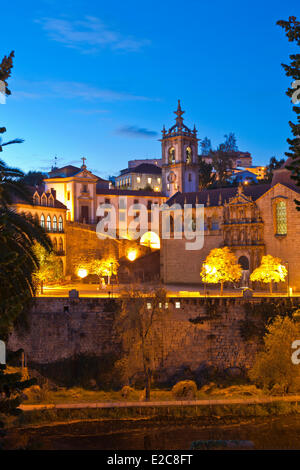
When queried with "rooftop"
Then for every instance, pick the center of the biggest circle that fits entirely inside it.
(41, 191)
(219, 196)
(129, 192)
(143, 168)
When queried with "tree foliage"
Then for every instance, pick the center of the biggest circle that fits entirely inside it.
(220, 266)
(50, 268)
(104, 267)
(223, 164)
(18, 262)
(18, 234)
(140, 324)
(206, 175)
(274, 164)
(33, 178)
(270, 270)
(205, 146)
(273, 365)
(5, 70)
(230, 143)
(11, 387)
(292, 30)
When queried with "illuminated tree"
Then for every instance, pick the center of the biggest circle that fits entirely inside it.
(273, 365)
(140, 323)
(220, 266)
(271, 270)
(104, 267)
(50, 266)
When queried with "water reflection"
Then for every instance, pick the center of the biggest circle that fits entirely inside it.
(266, 433)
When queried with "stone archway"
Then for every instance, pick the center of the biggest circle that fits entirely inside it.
(244, 262)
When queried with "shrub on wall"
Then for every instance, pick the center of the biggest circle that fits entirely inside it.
(273, 368)
(82, 370)
(259, 315)
(186, 389)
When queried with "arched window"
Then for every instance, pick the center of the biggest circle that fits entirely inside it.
(60, 224)
(36, 200)
(48, 223)
(51, 202)
(244, 263)
(171, 157)
(54, 224)
(281, 225)
(54, 244)
(188, 153)
(44, 200)
(150, 239)
(60, 245)
(43, 221)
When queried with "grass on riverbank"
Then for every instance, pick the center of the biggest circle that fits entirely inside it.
(39, 395)
(174, 414)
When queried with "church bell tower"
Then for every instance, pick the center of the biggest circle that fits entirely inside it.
(179, 157)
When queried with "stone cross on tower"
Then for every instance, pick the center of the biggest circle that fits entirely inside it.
(83, 166)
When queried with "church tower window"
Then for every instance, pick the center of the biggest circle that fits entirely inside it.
(171, 158)
(281, 219)
(188, 155)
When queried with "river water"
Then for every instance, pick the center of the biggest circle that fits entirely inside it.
(265, 433)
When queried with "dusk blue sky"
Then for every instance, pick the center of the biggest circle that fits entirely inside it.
(99, 79)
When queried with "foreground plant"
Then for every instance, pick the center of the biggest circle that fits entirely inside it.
(140, 324)
(273, 366)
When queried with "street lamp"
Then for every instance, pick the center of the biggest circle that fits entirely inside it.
(111, 273)
(82, 273)
(288, 274)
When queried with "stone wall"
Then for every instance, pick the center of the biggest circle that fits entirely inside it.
(60, 328)
(285, 247)
(83, 246)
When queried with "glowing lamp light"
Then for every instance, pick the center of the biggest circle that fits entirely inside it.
(82, 272)
(131, 255)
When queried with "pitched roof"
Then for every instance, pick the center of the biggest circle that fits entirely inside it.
(147, 168)
(128, 192)
(41, 190)
(64, 171)
(255, 191)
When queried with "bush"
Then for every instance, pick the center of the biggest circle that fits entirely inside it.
(37, 394)
(82, 370)
(185, 389)
(128, 392)
(273, 365)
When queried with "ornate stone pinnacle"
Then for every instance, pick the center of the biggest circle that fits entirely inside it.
(179, 113)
